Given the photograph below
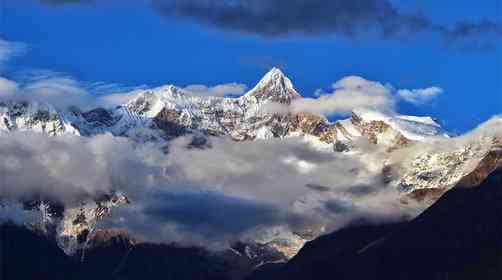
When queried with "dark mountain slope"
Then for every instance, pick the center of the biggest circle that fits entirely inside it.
(27, 255)
(459, 237)
(110, 255)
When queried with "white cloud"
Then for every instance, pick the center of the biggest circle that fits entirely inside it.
(118, 98)
(59, 91)
(7, 87)
(69, 168)
(218, 90)
(420, 96)
(348, 94)
(257, 186)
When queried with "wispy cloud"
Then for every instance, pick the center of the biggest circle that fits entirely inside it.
(420, 96)
(9, 49)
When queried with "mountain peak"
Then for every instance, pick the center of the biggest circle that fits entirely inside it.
(274, 87)
(276, 71)
(276, 75)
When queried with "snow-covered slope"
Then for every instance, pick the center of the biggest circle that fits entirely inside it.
(36, 117)
(411, 127)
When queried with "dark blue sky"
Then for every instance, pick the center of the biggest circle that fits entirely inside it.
(133, 44)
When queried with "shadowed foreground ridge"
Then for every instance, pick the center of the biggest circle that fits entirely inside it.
(459, 237)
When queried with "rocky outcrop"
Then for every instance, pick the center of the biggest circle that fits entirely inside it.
(490, 162)
(431, 174)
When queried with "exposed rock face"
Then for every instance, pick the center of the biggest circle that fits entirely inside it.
(490, 162)
(168, 121)
(77, 223)
(486, 165)
(317, 126)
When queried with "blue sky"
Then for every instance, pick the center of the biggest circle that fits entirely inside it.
(133, 44)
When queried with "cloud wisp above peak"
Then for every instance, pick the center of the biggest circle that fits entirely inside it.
(420, 96)
(347, 94)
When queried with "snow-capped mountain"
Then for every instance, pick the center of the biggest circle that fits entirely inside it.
(163, 113)
(170, 111)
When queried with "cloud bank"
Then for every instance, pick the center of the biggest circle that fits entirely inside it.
(67, 169)
(52, 88)
(266, 184)
(184, 197)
